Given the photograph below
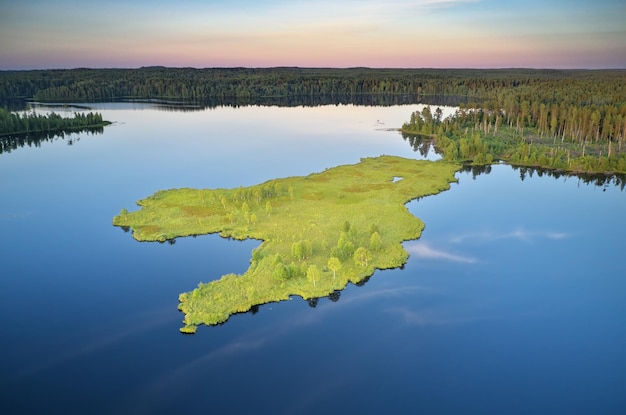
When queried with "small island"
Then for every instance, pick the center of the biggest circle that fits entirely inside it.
(318, 232)
(29, 128)
(12, 124)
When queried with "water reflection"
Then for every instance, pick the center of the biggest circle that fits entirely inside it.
(312, 302)
(424, 145)
(77, 348)
(423, 250)
(381, 100)
(294, 101)
(13, 142)
(519, 234)
(421, 143)
(74, 335)
(476, 170)
(334, 297)
(459, 314)
(599, 179)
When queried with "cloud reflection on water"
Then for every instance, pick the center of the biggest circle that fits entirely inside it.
(519, 234)
(432, 317)
(135, 326)
(173, 381)
(18, 215)
(423, 250)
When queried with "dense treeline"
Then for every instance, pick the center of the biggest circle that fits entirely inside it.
(577, 138)
(573, 120)
(554, 86)
(201, 84)
(15, 123)
(18, 130)
(579, 105)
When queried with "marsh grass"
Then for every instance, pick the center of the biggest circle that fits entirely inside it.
(313, 210)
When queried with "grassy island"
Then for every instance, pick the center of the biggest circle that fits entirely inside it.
(319, 232)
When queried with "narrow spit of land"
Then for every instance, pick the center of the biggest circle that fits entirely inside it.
(318, 232)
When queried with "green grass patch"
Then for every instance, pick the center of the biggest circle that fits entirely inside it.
(303, 223)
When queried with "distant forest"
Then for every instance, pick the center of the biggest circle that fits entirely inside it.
(587, 107)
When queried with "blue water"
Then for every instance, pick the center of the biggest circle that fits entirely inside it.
(512, 302)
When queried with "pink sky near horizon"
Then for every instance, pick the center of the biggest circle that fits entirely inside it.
(412, 33)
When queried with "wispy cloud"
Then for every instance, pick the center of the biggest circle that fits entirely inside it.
(355, 12)
(428, 3)
(423, 250)
(519, 234)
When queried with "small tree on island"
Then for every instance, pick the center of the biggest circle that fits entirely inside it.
(297, 250)
(312, 274)
(277, 189)
(302, 249)
(375, 242)
(334, 264)
(281, 272)
(362, 256)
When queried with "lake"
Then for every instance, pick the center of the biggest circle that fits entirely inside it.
(513, 300)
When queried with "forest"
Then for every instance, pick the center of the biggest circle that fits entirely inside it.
(572, 120)
(18, 130)
(561, 137)
(502, 87)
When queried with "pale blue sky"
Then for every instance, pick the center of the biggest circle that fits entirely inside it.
(327, 33)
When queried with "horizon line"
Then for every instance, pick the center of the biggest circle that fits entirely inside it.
(513, 68)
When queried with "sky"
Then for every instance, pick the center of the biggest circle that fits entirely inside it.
(44, 34)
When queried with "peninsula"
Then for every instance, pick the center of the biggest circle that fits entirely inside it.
(318, 232)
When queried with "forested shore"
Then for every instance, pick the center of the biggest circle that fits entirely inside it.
(494, 86)
(572, 120)
(565, 138)
(19, 130)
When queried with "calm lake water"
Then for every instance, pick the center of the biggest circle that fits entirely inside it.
(512, 302)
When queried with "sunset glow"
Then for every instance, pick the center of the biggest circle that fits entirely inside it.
(38, 34)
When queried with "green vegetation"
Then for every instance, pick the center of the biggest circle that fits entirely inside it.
(30, 128)
(569, 120)
(218, 84)
(575, 138)
(31, 122)
(321, 232)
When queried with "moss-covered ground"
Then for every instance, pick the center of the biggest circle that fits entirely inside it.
(354, 213)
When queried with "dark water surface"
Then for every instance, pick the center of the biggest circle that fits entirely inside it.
(513, 301)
